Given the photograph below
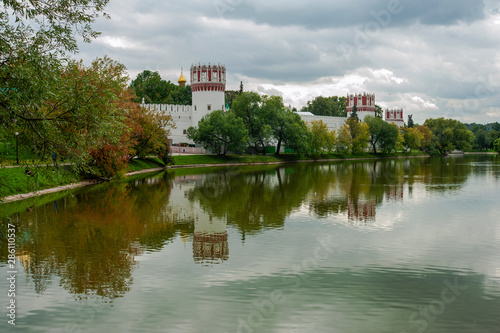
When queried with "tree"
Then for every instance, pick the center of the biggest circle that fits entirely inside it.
(327, 106)
(378, 111)
(359, 134)
(425, 137)
(412, 138)
(382, 134)
(449, 134)
(481, 139)
(376, 128)
(153, 89)
(410, 121)
(229, 96)
(343, 140)
(496, 146)
(322, 139)
(248, 107)
(354, 113)
(219, 132)
(36, 39)
(182, 95)
(493, 136)
(287, 126)
(149, 130)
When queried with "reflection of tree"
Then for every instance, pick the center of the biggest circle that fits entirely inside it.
(444, 174)
(251, 200)
(90, 240)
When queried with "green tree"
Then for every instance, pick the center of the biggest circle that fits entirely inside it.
(248, 107)
(182, 95)
(229, 96)
(410, 121)
(287, 126)
(219, 132)
(377, 127)
(354, 113)
(382, 134)
(425, 137)
(327, 106)
(412, 138)
(321, 138)
(359, 132)
(493, 136)
(343, 140)
(496, 146)
(153, 89)
(449, 134)
(36, 39)
(481, 139)
(379, 113)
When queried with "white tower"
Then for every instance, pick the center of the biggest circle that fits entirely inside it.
(208, 84)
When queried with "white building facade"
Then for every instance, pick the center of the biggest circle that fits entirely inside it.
(208, 85)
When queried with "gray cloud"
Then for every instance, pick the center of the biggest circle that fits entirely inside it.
(424, 57)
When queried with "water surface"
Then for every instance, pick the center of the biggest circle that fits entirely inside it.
(375, 246)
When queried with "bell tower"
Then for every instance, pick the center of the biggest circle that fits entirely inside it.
(208, 84)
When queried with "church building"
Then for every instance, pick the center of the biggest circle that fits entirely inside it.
(208, 84)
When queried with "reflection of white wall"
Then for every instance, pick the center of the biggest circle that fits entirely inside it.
(210, 243)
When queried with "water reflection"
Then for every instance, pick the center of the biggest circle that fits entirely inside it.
(91, 239)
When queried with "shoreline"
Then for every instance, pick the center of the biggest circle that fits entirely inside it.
(28, 195)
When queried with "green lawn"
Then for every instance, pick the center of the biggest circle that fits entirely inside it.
(15, 181)
(146, 163)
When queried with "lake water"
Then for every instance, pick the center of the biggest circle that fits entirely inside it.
(376, 246)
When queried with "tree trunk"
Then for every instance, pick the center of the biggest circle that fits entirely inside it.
(278, 147)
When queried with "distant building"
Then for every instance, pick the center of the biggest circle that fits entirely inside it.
(365, 105)
(208, 84)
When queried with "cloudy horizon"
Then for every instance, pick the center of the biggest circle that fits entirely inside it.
(431, 58)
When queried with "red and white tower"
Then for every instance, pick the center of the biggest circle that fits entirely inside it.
(208, 84)
(395, 116)
(365, 103)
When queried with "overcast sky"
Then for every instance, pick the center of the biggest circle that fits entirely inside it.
(433, 58)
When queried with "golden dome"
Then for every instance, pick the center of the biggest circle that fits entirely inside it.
(182, 80)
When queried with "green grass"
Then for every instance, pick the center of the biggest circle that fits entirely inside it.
(14, 180)
(146, 163)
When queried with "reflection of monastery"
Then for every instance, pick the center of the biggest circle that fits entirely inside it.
(365, 210)
(208, 84)
(210, 239)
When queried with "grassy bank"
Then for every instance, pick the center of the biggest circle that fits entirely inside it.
(15, 181)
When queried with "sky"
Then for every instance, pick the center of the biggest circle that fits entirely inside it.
(432, 58)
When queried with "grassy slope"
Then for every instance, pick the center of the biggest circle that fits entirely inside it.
(15, 181)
